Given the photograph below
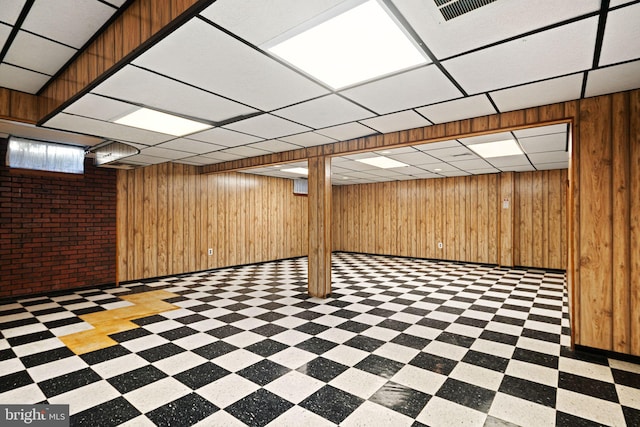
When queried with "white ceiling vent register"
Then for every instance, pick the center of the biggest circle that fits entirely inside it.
(453, 8)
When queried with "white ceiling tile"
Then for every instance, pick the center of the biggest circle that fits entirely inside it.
(386, 172)
(190, 146)
(543, 143)
(558, 51)
(426, 175)
(274, 146)
(98, 107)
(614, 3)
(199, 54)
(549, 166)
(397, 121)
(347, 131)
(437, 145)
(621, 35)
(422, 86)
(23, 80)
(224, 137)
(267, 126)
(439, 167)
(10, 10)
(395, 151)
(38, 54)
(480, 27)
(152, 90)
(541, 130)
(506, 161)
(540, 93)
(164, 153)
(471, 164)
(458, 109)
(454, 173)
(105, 129)
(409, 170)
(245, 151)
(417, 158)
(324, 112)
(481, 139)
(5, 30)
(194, 161)
(142, 159)
(79, 22)
(518, 168)
(358, 166)
(458, 153)
(221, 156)
(617, 78)
(549, 157)
(246, 18)
(308, 139)
(116, 3)
(482, 171)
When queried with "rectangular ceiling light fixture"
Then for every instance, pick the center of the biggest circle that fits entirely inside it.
(359, 44)
(383, 162)
(156, 121)
(497, 149)
(297, 171)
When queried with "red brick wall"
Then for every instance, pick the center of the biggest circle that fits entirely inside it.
(57, 231)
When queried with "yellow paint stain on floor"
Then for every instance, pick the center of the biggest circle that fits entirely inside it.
(120, 319)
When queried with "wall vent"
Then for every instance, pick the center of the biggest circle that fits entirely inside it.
(453, 8)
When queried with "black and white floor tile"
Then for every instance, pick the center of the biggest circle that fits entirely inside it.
(400, 342)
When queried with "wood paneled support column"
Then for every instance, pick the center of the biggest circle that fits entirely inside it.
(319, 201)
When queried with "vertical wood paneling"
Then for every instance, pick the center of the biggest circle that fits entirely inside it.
(507, 190)
(634, 228)
(169, 215)
(595, 224)
(150, 220)
(621, 223)
(319, 214)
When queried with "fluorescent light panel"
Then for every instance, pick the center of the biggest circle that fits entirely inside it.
(360, 44)
(382, 162)
(297, 171)
(156, 121)
(497, 149)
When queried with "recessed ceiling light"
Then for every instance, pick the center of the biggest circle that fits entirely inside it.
(359, 44)
(383, 162)
(488, 150)
(156, 121)
(437, 170)
(297, 171)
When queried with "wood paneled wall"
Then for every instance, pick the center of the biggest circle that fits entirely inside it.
(465, 214)
(540, 232)
(169, 215)
(605, 180)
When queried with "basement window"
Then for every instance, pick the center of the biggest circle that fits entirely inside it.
(44, 156)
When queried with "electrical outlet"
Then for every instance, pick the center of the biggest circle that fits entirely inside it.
(439, 245)
(210, 251)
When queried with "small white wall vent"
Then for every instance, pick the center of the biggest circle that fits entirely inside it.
(300, 186)
(453, 8)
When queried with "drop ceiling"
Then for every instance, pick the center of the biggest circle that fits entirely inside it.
(214, 68)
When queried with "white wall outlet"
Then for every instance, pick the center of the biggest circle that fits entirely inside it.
(439, 245)
(210, 251)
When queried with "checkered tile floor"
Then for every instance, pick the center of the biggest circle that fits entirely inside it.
(401, 342)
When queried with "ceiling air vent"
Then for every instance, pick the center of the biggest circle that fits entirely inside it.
(453, 8)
